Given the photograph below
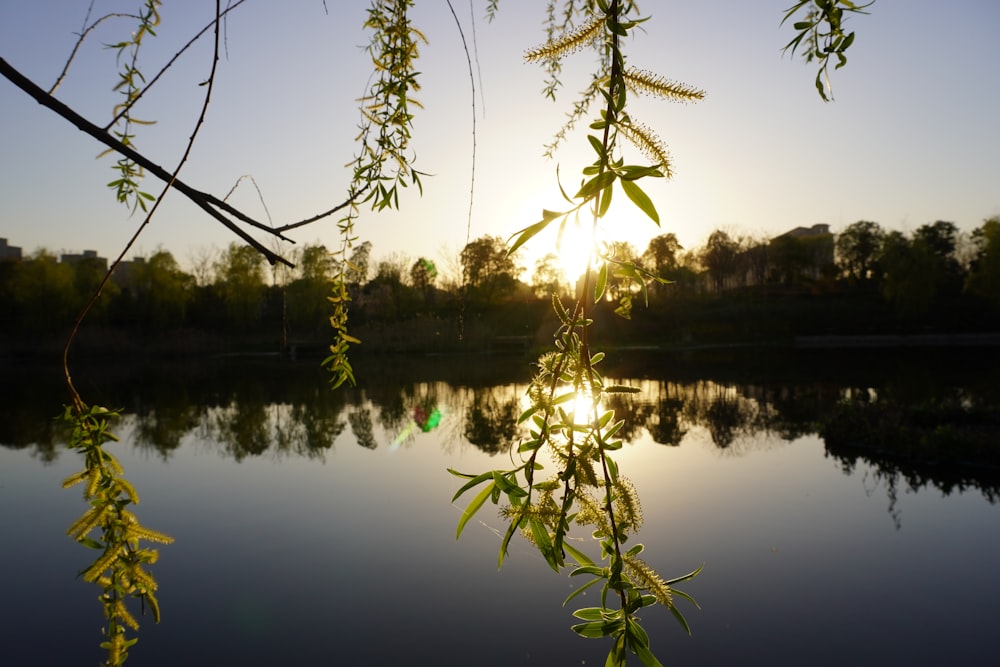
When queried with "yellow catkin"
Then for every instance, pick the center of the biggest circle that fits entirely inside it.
(87, 521)
(649, 143)
(75, 479)
(568, 43)
(650, 83)
(645, 577)
(124, 615)
(99, 566)
(627, 502)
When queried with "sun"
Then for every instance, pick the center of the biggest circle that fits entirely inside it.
(575, 247)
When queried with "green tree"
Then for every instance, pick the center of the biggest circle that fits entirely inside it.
(719, 259)
(488, 270)
(239, 280)
(163, 291)
(423, 274)
(548, 277)
(858, 248)
(940, 239)
(44, 292)
(984, 274)
(307, 311)
(662, 258)
(909, 275)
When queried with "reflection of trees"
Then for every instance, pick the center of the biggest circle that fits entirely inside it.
(286, 409)
(664, 416)
(727, 417)
(319, 428)
(665, 425)
(242, 428)
(948, 442)
(634, 411)
(360, 420)
(725, 411)
(491, 423)
(163, 427)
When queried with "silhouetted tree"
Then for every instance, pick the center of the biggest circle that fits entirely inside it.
(858, 248)
(719, 258)
(239, 280)
(487, 270)
(984, 273)
(548, 277)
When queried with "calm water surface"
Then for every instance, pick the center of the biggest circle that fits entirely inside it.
(317, 529)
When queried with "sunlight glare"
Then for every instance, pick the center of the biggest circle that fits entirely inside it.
(574, 249)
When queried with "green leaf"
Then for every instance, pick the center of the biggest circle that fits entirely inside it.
(507, 537)
(596, 184)
(680, 619)
(621, 389)
(473, 507)
(602, 282)
(605, 200)
(524, 235)
(577, 555)
(689, 575)
(541, 535)
(641, 199)
(580, 590)
(478, 479)
(647, 657)
(597, 629)
(597, 145)
(633, 172)
(590, 613)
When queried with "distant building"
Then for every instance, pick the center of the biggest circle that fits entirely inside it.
(802, 252)
(125, 273)
(9, 252)
(815, 230)
(84, 256)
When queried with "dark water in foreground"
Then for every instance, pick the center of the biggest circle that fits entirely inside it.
(316, 529)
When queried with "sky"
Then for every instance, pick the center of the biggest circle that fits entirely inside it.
(912, 137)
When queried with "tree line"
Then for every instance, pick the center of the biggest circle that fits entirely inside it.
(926, 279)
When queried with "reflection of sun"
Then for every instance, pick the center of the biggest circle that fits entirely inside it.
(579, 409)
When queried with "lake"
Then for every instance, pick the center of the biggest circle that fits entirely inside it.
(317, 528)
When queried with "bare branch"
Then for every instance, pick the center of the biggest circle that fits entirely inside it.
(203, 200)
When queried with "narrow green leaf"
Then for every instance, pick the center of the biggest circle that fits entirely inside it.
(473, 481)
(647, 657)
(601, 283)
(473, 507)
(506, 539)
(590, 614)
(90, 543)
(596, 629)
(680, 619)
(597, 145)
(596, 184)
(580, 590)
(525, 235)
(577, 555)
(689, 575)
(605, 200)
(641, 199)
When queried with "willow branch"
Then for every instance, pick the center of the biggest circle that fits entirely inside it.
(210, 84)
(203, 200)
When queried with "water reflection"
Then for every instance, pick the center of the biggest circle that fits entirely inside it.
(254, 408)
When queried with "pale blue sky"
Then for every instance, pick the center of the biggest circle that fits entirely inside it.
(913, 136)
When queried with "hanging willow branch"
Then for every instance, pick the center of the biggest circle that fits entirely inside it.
(209, 203)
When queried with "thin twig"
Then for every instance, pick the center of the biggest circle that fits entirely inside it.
(170, 182)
